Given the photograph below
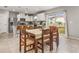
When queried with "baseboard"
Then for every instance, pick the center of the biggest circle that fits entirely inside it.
(4, 33)
(73, 37)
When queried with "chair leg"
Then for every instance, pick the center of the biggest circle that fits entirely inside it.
(35, 45)
(25, 44)
(20, 47)
(57, 42)
(24, 48)
(20, 43)
(42, 46)
(51, 44)
(42, 49)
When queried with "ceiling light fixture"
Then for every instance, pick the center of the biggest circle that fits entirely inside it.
(13, 10)
(27, 16)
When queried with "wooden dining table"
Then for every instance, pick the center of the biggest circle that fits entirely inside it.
(36, 33)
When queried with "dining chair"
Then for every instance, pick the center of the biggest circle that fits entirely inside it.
(25, 43)
(54, 34)
(45, 39)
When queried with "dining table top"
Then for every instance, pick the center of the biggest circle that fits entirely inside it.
(36, 32)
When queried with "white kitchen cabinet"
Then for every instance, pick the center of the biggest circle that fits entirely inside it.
(41, 17)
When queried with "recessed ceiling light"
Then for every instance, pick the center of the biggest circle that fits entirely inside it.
(13, 10)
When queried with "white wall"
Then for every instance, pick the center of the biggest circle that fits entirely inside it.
(72, 14)
(73, 21)
(4, 15)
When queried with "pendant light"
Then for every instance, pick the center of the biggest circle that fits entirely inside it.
(27, 16)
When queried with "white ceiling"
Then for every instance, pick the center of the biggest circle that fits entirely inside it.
(31, 9)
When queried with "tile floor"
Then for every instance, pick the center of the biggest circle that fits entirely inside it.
(9, 44)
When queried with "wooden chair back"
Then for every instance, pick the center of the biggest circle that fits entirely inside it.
(24, 27)
(45, 39)
(54, 34)
(53, 29)
(45, 32)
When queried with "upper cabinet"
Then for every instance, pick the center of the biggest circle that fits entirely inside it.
(26, 17)
(29, 18)
(41, 17)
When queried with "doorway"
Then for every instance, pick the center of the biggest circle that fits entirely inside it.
(59, 19)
